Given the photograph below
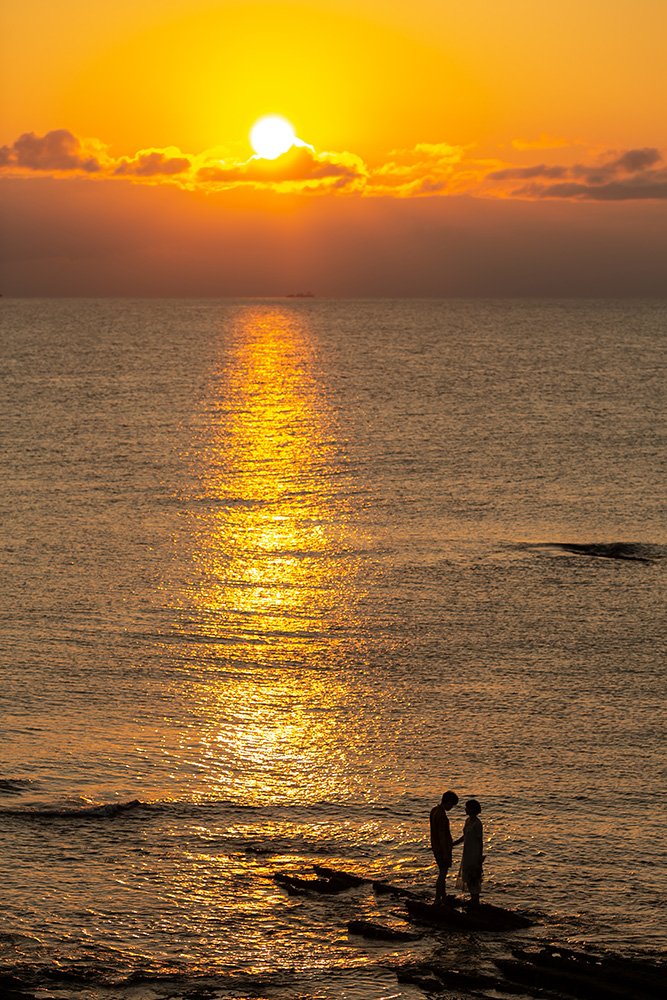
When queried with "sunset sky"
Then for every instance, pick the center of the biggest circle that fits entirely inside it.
(495, 148)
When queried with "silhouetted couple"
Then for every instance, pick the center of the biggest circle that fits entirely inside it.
(470, 872)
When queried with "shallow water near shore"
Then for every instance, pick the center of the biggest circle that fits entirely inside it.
(280, 572)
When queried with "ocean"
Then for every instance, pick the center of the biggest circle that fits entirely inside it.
(279, 572)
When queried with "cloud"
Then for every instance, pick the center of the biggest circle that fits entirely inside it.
(637, 159)
(152, 163)
(300, 168)
(635, 175)
(56, 151)
(425, 170)
(624, 190)
(515, 173)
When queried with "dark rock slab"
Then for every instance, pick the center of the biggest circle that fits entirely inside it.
(385, 888)
(330, 880)
(499, 918)
(368, 929)
(346, 878)
(13, 989)
(482, 918)
(288, 884)
(299, 886)
(642, 552)
(421, 976)
(585, 976)
(436, 979)
(610, 550)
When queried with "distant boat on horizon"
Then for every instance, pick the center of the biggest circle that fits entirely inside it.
(300, 295)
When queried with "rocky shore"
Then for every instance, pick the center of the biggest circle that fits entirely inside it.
(547, 972)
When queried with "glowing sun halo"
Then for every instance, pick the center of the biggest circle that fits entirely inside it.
(271, 136)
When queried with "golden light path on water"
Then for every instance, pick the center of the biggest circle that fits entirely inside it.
(273, 594)
(273, 454)
(270, 549)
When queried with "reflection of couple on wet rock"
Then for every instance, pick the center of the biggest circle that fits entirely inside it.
(472, 858)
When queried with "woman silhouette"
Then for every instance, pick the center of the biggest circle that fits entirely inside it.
(470, 872)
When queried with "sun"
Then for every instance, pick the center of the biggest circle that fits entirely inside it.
(271, 136)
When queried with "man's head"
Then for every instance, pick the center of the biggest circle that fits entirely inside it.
(449, 799)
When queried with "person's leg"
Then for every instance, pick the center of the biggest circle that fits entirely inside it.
(440, 885)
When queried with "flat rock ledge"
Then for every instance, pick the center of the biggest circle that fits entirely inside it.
(484, 918)
(455, 915)
(329, 880)
(548, 973)
(379, 932)
(590, 977)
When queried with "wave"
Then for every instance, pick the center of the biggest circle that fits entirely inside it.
(287, 810)
(644, 552)
(103, 811)
(14, 786)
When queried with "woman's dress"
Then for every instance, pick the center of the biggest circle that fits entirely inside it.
(470, 872)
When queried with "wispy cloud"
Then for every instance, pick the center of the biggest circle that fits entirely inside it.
(153, 163)
(425, 170)
(630, 175)
(631, 189)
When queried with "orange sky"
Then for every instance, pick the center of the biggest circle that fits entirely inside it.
(534, 133)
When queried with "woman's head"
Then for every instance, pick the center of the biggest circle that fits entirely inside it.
(473, 807)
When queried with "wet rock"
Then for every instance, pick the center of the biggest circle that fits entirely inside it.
(288, 884)
(13, 989)
(437, 979)
(498, 918)
(421, 976)
(384, 888)
(368, 929)
(585, 976)
(482, 918)
(351, 881)
(299, 886)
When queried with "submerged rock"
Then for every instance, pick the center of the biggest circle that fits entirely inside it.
(585, 976)
(436, 979)
(299, 886)
(368, 929)
(351, 881)
(385, 888)
(550, 973)
(13, 989)
(421, 976)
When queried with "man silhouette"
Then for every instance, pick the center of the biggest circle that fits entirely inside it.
(442, 843)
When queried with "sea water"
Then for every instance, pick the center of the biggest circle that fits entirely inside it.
(276, 574)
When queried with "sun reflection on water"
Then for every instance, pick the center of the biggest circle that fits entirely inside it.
(275, 737)
(271, 465)
(273, 594)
